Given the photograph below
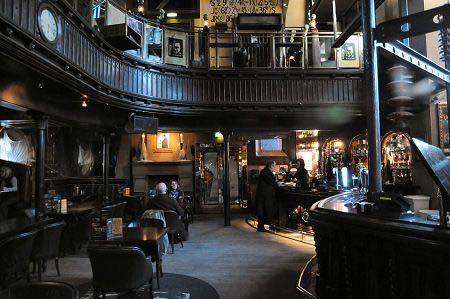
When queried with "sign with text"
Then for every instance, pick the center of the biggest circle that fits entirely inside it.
(220, 11)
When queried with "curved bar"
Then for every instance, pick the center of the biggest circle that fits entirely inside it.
(378, 256)
(88, 62)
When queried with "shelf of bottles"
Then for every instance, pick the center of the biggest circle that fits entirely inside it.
(397, 158)
(307, 148)
(333, 152)
(358, 153)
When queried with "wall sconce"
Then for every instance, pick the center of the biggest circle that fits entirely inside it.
(205, 20)
(84, 101)
(140, 7)
(218, 137)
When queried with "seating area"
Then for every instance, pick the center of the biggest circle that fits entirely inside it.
(125, 249)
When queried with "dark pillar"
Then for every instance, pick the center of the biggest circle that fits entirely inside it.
(42, 125)
(372, 94)
(106, 140)
(226, 179)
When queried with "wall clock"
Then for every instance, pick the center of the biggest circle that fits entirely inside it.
(48, 24)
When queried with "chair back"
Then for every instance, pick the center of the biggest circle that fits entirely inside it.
(118, 269)
(172, 220)
(133, 206)
(15, 253)
(44, 290)
(118, 210)
(151, 222)
(47, 240)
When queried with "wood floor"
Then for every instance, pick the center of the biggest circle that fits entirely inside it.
(237, 261)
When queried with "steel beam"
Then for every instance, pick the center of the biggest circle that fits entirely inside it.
(351, 28)
(416, 61)
(412, 25)
(372, 95)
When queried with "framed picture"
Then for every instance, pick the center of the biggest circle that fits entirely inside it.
(444, 142)
(162, 143)
(349, 53)
(175, 47)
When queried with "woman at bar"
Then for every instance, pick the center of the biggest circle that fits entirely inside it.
(265, 195)
(302, 174)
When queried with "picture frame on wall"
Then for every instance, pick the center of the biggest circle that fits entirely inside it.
(349, 53)
(444, 141)
(162, 143)
(175, 48)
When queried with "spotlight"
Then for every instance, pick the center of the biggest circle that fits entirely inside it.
(171, 14)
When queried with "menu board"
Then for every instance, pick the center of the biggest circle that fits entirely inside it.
(436, 163)
(220, 11)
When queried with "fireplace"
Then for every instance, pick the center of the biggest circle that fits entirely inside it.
(146, 174)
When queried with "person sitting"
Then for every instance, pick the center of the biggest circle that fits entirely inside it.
(162, 201)
(8, 192)
(176, 193)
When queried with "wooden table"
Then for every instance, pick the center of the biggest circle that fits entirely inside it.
(146, 238)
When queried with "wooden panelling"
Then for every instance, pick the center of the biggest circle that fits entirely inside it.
(105, 68)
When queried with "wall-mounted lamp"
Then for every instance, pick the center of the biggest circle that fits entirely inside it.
(84, 101)
(218, 137)
(140, 7)
(205, 20)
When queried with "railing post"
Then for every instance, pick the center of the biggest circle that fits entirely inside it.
(305, 50)
(272, 51)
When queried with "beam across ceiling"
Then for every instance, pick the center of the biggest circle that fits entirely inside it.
(351, 28)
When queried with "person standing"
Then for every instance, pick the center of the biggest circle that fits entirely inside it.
(265, 195)
(302, 174)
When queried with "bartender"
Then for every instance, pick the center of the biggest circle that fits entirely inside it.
(301, 175)
(8, 189)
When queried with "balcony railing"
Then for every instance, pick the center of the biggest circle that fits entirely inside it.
(207, 48)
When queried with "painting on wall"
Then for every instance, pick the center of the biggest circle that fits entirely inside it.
(175, 47)
(162, 143)
(444, 142)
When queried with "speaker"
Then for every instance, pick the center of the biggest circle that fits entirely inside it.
(142, 124)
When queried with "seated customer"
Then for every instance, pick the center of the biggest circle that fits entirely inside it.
(175, 192)
(163, 202)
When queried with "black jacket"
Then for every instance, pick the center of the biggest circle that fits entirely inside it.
(267, 185)
(165, 203)
(301, 175)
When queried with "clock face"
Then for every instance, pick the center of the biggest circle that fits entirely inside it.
(48, 25)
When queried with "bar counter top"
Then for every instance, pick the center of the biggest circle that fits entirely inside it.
(381, 252)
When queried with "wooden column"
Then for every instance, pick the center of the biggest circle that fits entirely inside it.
(41, 136)
(226, 179)
(106, 141)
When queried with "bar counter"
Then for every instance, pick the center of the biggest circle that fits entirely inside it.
(379, 255)
(290, 197)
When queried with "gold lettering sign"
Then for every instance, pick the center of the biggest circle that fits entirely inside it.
(220, 11)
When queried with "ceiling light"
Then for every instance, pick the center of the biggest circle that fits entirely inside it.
(172, 14)
(140, 8)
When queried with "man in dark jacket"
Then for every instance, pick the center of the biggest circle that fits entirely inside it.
(265, 195)
(163, 202)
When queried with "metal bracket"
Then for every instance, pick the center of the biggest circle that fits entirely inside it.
(416, 60)
(414, 24)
